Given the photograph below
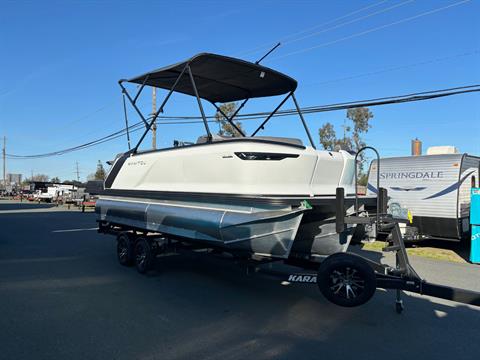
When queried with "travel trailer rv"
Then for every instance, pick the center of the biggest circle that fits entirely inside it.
(432, 191)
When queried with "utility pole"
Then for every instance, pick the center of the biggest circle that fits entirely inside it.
(78, 172)
(344, 126)
(154, 110)
(4, 154)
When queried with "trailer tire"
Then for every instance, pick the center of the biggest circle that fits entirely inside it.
(125, 249)
(143, 255)
(346, 279)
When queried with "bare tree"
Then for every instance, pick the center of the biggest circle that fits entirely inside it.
(40, 178)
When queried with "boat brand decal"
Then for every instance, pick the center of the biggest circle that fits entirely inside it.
(303, 278)
(138, 162)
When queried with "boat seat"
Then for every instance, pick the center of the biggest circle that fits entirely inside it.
(216, 138)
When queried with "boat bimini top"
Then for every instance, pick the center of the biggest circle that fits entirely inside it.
(216, 79)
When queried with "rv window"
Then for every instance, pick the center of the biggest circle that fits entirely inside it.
(473, 181)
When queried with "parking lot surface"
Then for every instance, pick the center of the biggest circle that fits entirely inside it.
(64, 296)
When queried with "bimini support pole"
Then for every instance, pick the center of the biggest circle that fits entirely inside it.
(239, 108)
(205, 122)
(229, 119)
(271, 114)
(126, 121)
(160, 109)
(303, 121)
(124, 91)
(141, 88)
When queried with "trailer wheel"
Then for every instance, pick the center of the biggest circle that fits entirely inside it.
(125, 249)
(143, 255)
(346, 279)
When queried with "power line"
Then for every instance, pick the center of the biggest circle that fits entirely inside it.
(349, 22)
(371, 30)
(333, 107)
(395, 68)
(285, 38)
(413, 97)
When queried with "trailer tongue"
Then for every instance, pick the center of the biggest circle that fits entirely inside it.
(349, 280)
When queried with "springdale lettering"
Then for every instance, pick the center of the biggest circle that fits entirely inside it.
(412, 175)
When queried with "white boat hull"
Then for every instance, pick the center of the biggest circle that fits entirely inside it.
(223, 167)
(241, 195)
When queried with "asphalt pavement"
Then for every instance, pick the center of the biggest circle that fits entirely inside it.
(64, 296)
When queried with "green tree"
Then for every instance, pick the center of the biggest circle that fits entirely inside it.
(100, 173)
(224, 127)
(360, 117)
(352, 135)
(328, 137)
(55, 179)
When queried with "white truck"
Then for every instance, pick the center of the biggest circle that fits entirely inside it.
(56, 191)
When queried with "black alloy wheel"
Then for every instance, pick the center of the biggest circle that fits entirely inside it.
(346, 279)
(125, 249)
(143, 255)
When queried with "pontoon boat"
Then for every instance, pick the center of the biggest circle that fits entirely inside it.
(268, 196)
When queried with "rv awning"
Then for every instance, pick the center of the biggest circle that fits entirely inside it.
(220, 79)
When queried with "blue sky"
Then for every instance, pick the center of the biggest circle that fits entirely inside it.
(61, 60)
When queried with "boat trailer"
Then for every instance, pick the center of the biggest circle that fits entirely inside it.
(345, 279)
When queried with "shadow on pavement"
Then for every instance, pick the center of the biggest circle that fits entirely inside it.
(25, 206)
(235, 316)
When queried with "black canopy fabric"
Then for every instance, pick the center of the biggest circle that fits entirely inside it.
(220, 79)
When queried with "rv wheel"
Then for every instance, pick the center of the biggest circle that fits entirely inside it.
(143, 255)
(125, 249)
(346, 279)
